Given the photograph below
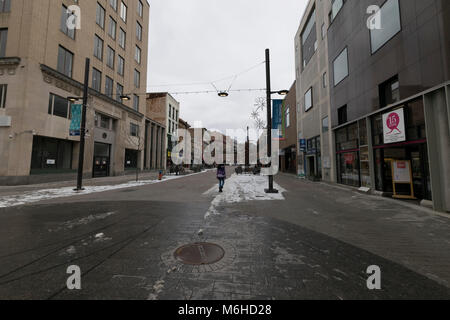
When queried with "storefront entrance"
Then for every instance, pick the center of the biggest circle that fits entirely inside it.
(417, 156)
(102, 155)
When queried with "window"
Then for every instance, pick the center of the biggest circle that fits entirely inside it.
(122, 38)
(3, 91)
(309, 38)
(121, 66)
(137, 55)
(389, 92)
(137, 79)
(113, 4)
(65, 61)
(139, 31)
(123, 11)
(136, 102)
(112, 28)
(134, 130)
(140, 9)
(109, 87)
(64, 19)
(324, 31)
(335, 8)
(119, 92)
(325, 125)
(110, 57)
(170, 111)
(96, 80)
(100, 16)
(5, 5)
(3, 40)
(324, 80)
(342, 115)
(176, 117)
(340, 67)
(98, 47)
(308, 100)
(390, 25)
(288, 116)
(58, 106)
(105, 122)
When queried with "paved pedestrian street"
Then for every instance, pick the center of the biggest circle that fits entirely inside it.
(311, 241)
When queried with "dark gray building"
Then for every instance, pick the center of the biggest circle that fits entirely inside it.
(389, 95)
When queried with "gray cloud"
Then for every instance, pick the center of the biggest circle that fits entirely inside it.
(204, 40)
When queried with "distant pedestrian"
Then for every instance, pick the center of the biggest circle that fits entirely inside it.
(221, 175)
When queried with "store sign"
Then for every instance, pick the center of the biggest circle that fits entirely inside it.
(394, 126)
(51, 162)
(302, 145)
(402, 172)
(75, 123)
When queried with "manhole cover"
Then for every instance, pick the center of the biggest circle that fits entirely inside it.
(199, 253)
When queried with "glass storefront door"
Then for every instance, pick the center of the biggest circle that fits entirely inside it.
(102, 154)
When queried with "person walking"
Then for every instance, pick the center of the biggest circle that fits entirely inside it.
(221, 175)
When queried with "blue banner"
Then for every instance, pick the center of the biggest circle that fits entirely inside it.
(75, 124)
(277, 117)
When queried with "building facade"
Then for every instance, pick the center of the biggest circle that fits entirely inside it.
(389, 96)
(288, 140)
(42, 64)
(164, 109)
(315, 152)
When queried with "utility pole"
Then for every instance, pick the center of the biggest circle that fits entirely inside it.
(269, 120)
(83, 127)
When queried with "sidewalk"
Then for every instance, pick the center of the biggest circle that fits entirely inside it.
(10, 190)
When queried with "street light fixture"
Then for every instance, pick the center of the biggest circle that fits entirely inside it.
(74, 99)
(223, 94)
(125, 98)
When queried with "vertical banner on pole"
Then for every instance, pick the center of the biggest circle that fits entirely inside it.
(75, 123)
(277, 117)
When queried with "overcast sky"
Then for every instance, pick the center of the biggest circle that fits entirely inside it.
(194, 41)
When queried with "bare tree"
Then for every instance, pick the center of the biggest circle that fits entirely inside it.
(258, 113)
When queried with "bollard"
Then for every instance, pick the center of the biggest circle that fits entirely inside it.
(160, 175)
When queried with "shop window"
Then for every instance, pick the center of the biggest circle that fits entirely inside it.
(50, 154)
(363, 140)
(131, 159)
(415, 120)
(342, 115)
(389, 92)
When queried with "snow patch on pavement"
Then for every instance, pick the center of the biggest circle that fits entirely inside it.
(49, 194)
(240, 188)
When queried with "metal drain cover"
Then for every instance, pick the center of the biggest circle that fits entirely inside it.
(199, 254)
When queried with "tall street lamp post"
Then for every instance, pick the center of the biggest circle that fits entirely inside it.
(269, 117)
(83, 127)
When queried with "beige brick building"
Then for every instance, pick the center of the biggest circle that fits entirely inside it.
(164, 109)
(42, 63)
